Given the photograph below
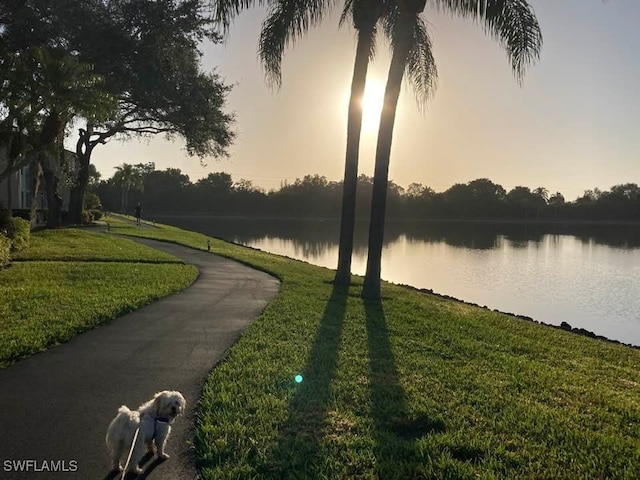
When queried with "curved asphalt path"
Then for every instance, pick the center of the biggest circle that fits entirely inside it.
(57, 404)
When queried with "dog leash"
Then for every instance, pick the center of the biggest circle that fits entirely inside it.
(133, 444)
(135, 437)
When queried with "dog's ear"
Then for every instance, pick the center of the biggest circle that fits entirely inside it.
(157, 403)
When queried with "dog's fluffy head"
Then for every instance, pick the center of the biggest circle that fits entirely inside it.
(169, 404)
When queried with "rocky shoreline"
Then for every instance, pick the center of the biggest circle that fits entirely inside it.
(563, 326)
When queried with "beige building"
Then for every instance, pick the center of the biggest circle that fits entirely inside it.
(16, 191)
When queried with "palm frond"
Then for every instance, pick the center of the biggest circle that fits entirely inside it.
(421, 69)
(391, 22)
(225, 11)
(347, 11)
(286, 21)
(365, 16)
(374, 43)
(420, 65)
(512, 22)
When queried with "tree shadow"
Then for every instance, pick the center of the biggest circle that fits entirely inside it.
(299, 446)
(396, 426)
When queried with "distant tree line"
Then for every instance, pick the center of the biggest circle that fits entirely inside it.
(171, 191)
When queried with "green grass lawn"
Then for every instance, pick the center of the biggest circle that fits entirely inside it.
(43, 303)
(413, 387)
(89, 245)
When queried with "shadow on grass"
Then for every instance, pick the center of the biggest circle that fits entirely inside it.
(396, 427)
(299, 450)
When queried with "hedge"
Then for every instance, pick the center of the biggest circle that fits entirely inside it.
(5, 248)
(19, 232)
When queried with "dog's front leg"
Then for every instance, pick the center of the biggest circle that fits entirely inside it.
(149, 445)
(161, 441)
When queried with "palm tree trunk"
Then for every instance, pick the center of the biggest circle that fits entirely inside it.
(350, 182)
(371, 288)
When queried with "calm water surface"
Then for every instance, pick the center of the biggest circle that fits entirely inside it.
(588, 277)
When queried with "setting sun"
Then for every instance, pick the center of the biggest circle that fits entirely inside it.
(372, 105)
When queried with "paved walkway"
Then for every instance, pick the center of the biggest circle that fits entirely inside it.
(57, 404)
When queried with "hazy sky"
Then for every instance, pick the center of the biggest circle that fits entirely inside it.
(572, 125)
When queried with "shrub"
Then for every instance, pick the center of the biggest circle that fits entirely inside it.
(5, 248)
(95, 213)
(91, 201)
(19, 232)
(86, 217)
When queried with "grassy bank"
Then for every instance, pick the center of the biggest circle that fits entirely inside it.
(69, 281)
(415, 386)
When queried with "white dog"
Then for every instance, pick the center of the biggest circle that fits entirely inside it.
(153, 418)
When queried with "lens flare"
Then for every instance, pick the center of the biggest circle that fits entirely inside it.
(298, 378)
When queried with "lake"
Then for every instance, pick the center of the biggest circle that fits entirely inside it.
(587, 276)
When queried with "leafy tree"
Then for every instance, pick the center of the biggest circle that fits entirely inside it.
(243, 185)
(418, 200)
(165, 190)
(147, 54)
(94, 176)
(556, 199)
(589, 196)
(44, 90)
(522, 200)
(248, 198)
(157, 81)
(459, 200)
(213, 193)
(621, 201)
(512, 22)
(363, 197)
(627, 191)
(311, 195)
(217, 182)
(487, 197)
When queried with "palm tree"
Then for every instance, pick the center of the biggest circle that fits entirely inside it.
(512, 22)
(541, 199)
(542, 193)
(129, 177)
(365, 15)
(289, 19)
